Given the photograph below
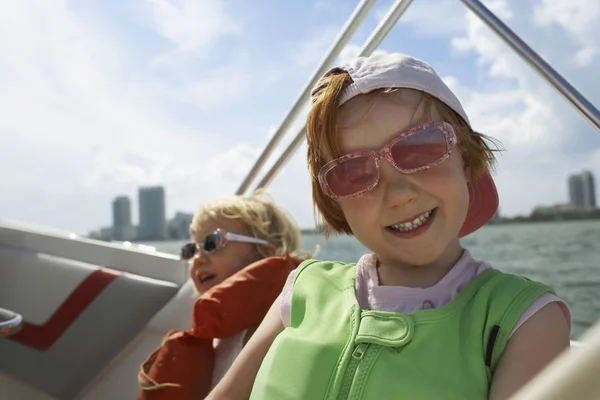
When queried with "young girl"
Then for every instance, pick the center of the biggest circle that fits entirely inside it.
(394, 161)
(241, 254)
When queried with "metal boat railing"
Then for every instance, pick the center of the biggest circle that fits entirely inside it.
(572, 375)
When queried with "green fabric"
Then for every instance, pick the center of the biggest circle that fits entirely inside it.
(335, 350)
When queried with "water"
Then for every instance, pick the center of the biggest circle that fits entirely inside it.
(565, 255)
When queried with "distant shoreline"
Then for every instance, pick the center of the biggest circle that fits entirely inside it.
(550, 217)
(513, 220)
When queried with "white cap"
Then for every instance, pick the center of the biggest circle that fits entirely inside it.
(395, 70)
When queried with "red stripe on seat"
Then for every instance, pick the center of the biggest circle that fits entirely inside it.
(41, 337)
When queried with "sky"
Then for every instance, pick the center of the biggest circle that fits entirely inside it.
(100, 97)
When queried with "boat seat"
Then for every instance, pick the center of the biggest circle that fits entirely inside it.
(77, 318)
(119, 380)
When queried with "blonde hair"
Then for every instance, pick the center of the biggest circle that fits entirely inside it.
(264, 219)
(322, 139)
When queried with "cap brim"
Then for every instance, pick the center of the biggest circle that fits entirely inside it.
(483, 204)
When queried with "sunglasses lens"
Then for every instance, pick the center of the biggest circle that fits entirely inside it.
(211, 242)
(352, 175)
(188, 251)
(420, 149)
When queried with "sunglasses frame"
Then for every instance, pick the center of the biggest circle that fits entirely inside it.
(386, 153)
(189, 250)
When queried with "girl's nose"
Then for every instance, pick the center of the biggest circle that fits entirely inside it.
(200, 259)
(398, 188)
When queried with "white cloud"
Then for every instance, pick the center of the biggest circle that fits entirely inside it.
(74, 123)
(491, 51)
(218, 86)
(292, 188)
(192, 26)
(311, 51)
(232, 165)
(199, 75)
(579, 19)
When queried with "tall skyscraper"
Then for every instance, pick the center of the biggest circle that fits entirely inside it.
(589, 190)
(152, 209)
(121, 213)
(575, 191)
(582, 191)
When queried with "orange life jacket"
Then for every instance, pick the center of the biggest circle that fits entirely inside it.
(182, 367)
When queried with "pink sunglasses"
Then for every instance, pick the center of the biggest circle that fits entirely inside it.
(419, 148)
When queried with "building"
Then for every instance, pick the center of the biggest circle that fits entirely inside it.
(179, 226)
(122, 228)
(589, 190)
(556, 211)
(582, 191)
(105, 233)
(575, 191)
(152, 213)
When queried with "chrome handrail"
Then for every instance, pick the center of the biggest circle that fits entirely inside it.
(348, 30)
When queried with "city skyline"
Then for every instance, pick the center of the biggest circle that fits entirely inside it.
(153, 224)
(581, 192)
(581, 201)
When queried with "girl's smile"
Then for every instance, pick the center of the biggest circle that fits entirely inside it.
(413, 226)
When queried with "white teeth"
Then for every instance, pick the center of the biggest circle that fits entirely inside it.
(408, 226)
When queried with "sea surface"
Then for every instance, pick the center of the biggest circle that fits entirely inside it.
(565, 255)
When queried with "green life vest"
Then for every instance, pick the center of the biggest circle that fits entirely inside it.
(335, 350)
